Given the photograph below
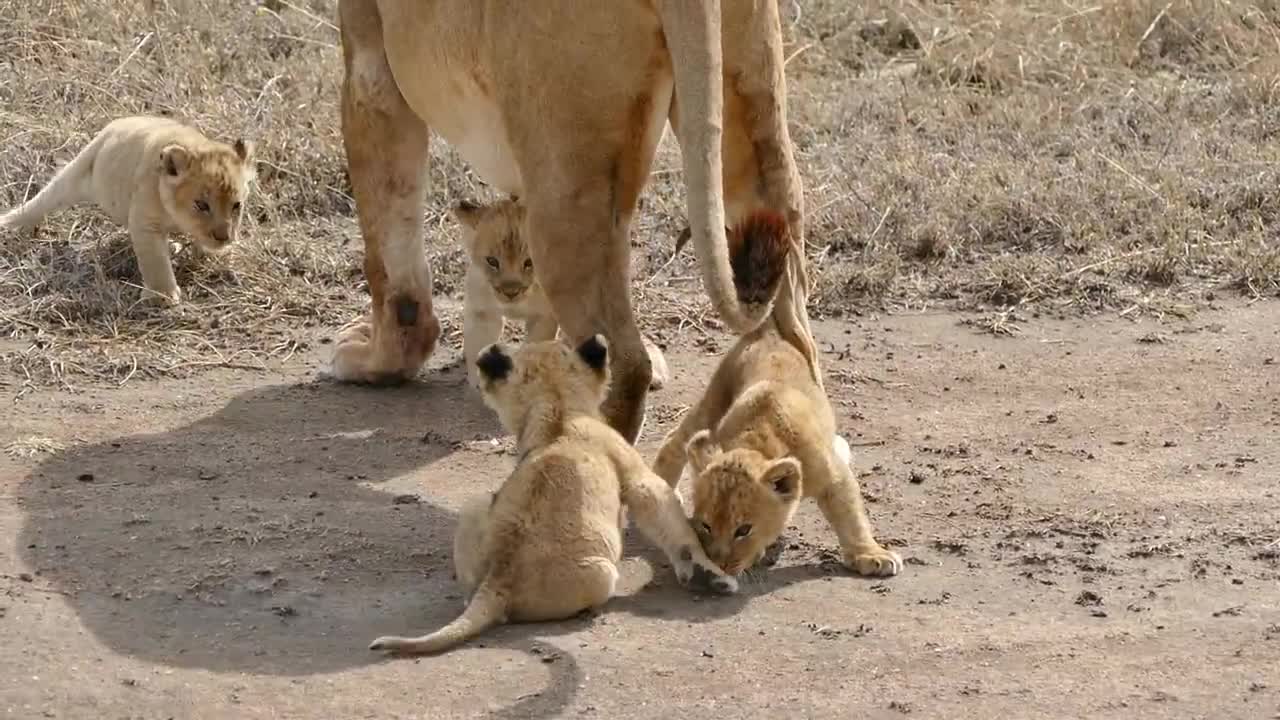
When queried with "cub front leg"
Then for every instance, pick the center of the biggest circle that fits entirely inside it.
(841, 504)
(480, 327)
(151, 248)
(540, 328)
(658, 513)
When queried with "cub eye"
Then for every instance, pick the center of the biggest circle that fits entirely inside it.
(202, 206)
(528, 264)
(235, 207)
(493, 262)
(705, 528)
(742, 531)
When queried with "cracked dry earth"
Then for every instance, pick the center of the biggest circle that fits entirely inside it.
(1090, 513)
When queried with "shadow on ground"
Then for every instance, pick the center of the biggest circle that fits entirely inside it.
(254, 539)
(257, 539)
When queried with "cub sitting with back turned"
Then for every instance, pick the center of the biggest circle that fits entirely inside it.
(763, 436)
(546, 546)
(501, 284)
(155, 176)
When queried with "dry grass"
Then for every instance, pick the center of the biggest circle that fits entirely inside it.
(1009, 154)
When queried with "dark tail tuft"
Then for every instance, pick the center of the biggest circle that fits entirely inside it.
(758, 250)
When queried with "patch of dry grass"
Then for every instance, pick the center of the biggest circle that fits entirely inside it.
(1008, 154)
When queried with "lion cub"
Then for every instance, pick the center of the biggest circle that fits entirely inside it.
(546, 545)
(155, 176)
(500, 284)
(763, 436)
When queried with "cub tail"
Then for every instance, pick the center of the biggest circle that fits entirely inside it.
(70, 185)
(486, 609)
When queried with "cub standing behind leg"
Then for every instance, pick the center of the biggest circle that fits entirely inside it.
(547, 544)
(501, 284)
(763, 436)
(155, 176)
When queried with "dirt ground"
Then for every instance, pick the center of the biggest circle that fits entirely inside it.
(1044, 244)
(1088, 511)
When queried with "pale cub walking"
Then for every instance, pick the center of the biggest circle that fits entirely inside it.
(155, 176)
(501, 284)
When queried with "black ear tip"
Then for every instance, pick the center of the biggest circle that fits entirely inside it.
(494, 363)
(595, 351)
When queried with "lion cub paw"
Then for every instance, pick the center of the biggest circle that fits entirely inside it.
(874, 562)
(162, 298)
(701, 573)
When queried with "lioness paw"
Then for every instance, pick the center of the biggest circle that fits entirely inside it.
(875, 562)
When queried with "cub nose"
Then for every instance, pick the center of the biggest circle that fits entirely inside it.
(222, 237)
(511, 293)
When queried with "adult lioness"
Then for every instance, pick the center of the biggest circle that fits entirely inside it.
(156, 176)
(501, 284)
(575, 93)
(547, 544)
(762, 437)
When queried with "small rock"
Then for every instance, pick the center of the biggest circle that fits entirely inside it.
(85, 477)
(26, 577)
(708, 654)
(1088, 598)
(406, 499)
(916, 477)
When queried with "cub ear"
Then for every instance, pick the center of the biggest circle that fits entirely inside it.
(174, 160)
(244, 149)
(701, 449)
(494, 363)
(594, 351)
(468, 214)
(783, 475)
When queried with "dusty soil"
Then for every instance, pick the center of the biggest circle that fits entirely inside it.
(1088, 511)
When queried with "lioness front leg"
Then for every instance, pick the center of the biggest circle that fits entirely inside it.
(593, 294)
(151, 249)
(841, 504)
(659, 515)
(388, 162)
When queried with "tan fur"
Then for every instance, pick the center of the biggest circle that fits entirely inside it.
(576, 94)
(155, 176)
(546, 546)
(501, 284)
(762, 437)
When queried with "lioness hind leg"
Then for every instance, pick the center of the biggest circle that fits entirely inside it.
(841, 504)
(387, 159)
(658, 513)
